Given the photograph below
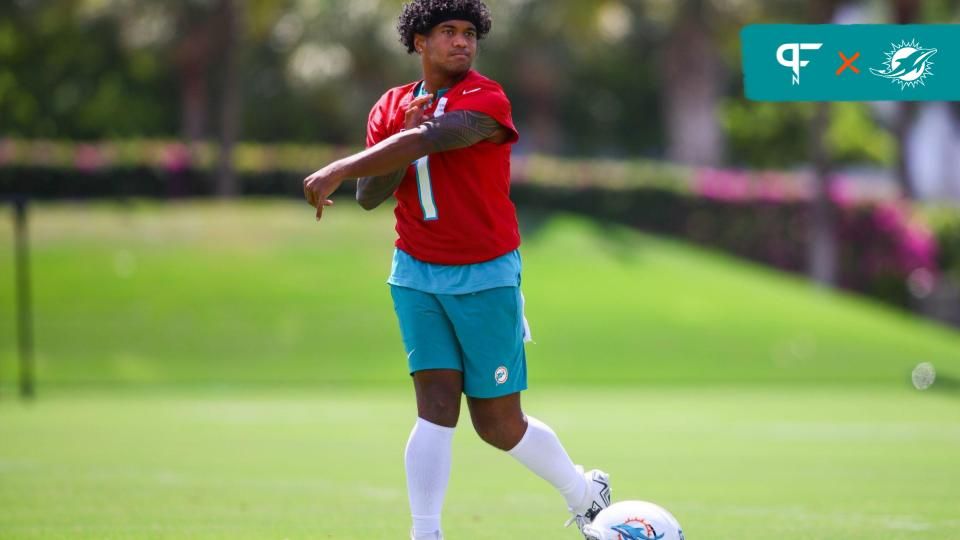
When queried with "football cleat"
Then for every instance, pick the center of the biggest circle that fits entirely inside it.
(598, 488)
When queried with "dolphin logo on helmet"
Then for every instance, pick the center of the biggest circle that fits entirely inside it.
(633, 520)
(629, 532)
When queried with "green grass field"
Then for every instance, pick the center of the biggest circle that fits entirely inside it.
(235, 371)
(732, 463)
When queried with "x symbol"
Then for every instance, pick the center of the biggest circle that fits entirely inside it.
(848, 62)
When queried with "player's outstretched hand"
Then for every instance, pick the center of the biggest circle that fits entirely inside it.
(318, 187)
(413, 117)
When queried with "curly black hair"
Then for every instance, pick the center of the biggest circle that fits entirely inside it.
(420, 16)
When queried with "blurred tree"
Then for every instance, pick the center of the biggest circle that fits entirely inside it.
(608, 77)
(777, 135)
(206, 47)
(194, 50)
(913, 12)
(548, 56)
(65, 72)
(692, 85)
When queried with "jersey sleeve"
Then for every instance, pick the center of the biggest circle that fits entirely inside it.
(377, 123)
(493, 102)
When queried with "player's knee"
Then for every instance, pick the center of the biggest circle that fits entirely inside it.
(439, 396)
(441, 412)
(494, 438)
(499, 434)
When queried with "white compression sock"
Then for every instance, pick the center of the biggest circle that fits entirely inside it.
(427, 460)
(540, 451)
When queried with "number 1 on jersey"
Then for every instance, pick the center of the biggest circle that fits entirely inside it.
(425, 189)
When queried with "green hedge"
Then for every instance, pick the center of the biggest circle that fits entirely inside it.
(945, 222)
(762, 215)
(881, 244)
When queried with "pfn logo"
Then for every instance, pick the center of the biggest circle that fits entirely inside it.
(794, 62)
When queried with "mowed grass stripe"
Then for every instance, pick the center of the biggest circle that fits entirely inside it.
(733, 463)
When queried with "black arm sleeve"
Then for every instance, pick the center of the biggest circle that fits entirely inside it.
(373, 190)
(458, 129)
(453, 130)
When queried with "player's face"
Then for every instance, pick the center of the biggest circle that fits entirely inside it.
(450, 46)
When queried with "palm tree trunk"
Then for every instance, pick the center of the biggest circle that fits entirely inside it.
(822, 250)
(693, 74)
(192, 57)
(230, 113)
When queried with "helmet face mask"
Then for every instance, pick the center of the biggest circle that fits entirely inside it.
(634, 520)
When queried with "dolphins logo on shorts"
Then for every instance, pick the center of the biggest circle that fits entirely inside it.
(501, 375)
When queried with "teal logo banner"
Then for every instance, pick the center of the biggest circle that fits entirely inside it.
(858, 62)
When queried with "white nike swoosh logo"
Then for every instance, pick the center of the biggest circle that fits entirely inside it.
(409, 354)
(465, 92)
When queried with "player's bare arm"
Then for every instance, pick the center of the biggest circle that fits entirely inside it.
(454, 130)
(451, 131)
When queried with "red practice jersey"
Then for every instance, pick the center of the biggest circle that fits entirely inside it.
(453, 207)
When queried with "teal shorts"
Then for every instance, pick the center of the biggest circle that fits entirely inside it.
(479, 334)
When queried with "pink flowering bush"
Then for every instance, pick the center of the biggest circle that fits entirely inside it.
(760, 215)
(765, 216)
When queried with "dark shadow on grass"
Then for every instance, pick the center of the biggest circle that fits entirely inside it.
(946, 385)
(533, 220)
(617, 240)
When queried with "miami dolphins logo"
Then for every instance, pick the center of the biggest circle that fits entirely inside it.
(908, 64)
(627, 531)
(501, 375)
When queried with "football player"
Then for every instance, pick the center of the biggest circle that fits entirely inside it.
(441, 146)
